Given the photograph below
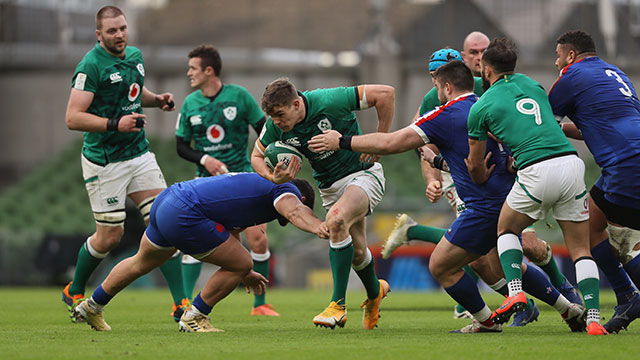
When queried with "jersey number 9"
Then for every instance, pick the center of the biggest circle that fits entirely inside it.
(532, 109)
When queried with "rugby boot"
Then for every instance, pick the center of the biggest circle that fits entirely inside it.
(527, 316)
(94, 318)
(510, 305)
(72, 301)
(398, 235)
(333, 315)
(178, 310)
(196, 323)
(623, 315)
(371, 307)
(595, 328)
(575, 318)
(476, 327)
(264, 310)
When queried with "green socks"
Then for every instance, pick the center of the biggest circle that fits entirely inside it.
(85, 265)
(261, 266)
(340, 256)
(172, 271)
(550, 268)
(190, 274)
(366, 271)
(425, 233)
(588, 279)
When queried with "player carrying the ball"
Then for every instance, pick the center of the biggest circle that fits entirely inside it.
(351, 184)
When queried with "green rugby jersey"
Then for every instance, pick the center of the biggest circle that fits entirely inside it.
(516, 110)
(326, 109)
(219, 126)
(117, 87)
(431, 101)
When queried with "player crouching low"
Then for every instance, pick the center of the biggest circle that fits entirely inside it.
(203, 218)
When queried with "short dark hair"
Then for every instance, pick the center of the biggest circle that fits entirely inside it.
(307, 191)
(107, 12)
(209, 56)
(456, 73)
(501, 55)
(280, 92)
(578, 40)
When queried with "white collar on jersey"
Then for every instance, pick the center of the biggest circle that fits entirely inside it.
(460, 96)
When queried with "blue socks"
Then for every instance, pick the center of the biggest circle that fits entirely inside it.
(465, 292)
(201, 305)
(101, 297)
(613, 270)
(537, 284)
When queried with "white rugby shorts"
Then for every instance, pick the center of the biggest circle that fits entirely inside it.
(557, 184)
(372, 181)
(109, 185)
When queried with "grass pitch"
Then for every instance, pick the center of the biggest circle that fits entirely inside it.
(34, 325)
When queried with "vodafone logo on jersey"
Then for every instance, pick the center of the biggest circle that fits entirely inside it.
(134, 91)
(215, 133)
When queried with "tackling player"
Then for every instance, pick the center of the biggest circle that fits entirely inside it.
(601, 101)
(216, 119)
(106, 102)
(351, 185)
(203, 218)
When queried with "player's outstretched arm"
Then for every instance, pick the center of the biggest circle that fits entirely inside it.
(375, 143)
(301, 216)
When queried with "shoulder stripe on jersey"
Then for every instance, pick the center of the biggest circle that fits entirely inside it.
(562, 72)
(283, 195)
(357, 97)
(437, 111)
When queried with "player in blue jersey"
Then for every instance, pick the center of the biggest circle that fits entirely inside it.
(603, 106)
(473, 233)
(203, 218)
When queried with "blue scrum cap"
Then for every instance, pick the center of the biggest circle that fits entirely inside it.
(442, 57)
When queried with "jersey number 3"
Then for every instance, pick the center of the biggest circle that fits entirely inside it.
(625, 90)
(529, 106)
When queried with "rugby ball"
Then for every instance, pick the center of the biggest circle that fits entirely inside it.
(279, 151)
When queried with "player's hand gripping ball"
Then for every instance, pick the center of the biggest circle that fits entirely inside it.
(279, 151)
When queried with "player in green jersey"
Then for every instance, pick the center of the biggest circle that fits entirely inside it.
(212, 131)
(550, 175)
(351, 184)
(106, 103)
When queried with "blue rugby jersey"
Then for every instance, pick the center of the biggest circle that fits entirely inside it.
(601, 100)
(446, 127)
(235, 200)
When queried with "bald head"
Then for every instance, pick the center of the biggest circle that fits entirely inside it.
(474, 45)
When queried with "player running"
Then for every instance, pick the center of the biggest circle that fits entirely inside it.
(351, 185)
